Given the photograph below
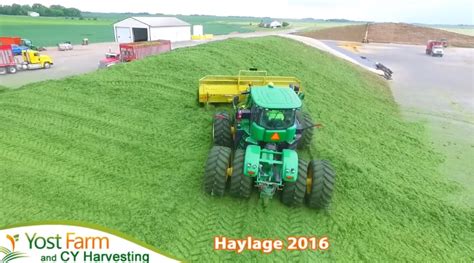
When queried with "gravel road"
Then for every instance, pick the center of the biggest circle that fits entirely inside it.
(84, 59)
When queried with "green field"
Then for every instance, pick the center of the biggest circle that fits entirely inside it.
(125, 148)
(460, 30)
(49, 31)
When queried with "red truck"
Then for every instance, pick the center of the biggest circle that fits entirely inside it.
(434, 48)
(134, 51)
(7, 61)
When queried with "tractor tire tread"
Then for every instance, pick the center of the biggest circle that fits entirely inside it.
(305, 119)
(222, 129)
(240, 184)
(216, 170)
(323, 180)
(294, 192)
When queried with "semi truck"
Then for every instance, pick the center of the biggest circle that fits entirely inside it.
(434, 48)
(31, 59)
(134, 51)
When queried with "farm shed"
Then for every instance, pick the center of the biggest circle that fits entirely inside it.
(136, 29)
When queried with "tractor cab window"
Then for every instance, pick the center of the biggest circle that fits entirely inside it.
(274, 119)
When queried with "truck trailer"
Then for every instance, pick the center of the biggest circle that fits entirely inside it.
(7, 61)
(134, 51)
(10, 41)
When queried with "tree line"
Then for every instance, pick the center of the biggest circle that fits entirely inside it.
(53, 10)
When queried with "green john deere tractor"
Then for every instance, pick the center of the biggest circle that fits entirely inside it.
(255, 146)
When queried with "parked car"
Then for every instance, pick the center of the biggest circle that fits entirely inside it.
(65, 46)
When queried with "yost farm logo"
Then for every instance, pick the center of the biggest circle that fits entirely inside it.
(51, 243)
(8, 255)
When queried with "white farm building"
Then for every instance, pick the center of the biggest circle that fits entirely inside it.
(135, 29)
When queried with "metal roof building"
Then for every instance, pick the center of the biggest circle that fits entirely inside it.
(136, 29)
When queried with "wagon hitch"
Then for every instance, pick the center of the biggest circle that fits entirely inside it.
(267, 190)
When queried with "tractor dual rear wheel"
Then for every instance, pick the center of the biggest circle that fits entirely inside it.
(320, 184)
(222, 129)
(217, 167)
(294, 192)
(240, 184)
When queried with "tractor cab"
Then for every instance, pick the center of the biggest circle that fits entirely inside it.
(271, 115)
(33, 59)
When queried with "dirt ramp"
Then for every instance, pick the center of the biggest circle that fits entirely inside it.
(392, 33)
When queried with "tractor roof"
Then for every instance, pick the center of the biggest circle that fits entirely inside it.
(275, 98)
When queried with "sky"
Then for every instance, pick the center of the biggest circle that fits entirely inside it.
(410, 11)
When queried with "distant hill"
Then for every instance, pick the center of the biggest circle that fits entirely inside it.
(392, 33)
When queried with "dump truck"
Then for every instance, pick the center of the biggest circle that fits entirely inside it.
(135, 51)
(31, 59)
(434, 48)
(255, 145)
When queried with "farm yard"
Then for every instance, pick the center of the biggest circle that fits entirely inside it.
(48, 31)
(125, 148)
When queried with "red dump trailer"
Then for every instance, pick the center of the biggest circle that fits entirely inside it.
(133, 51)
(10, 40)
(139, 50)
(7, 61)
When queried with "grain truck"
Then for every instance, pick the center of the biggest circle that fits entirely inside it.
(31, 59)
(434, 48)
(134, 51)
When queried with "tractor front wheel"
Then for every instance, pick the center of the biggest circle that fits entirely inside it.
(216, 170)
(221, 129)
(306, 122)
(293, 192)
(240, 184)
(322, 178)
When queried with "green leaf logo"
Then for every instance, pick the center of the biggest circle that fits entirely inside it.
(11, 255)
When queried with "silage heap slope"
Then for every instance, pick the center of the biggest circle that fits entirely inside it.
(125, 148)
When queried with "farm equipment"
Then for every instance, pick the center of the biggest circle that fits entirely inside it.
(16, 49)
(31, 59)
(255, 146)
(223, 89)
(19, 44)
(135, 51)
(434, 48)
